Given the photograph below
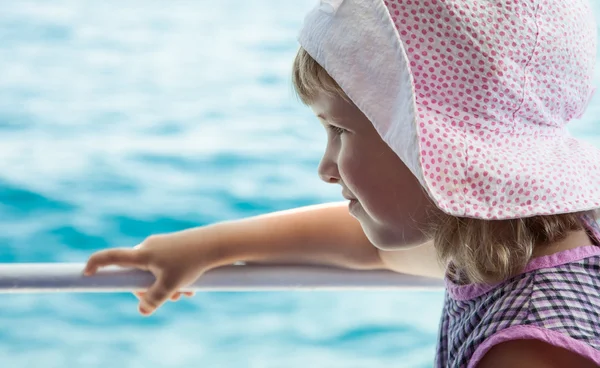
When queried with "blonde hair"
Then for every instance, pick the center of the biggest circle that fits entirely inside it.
(486, 251)
(490, 251)
(309, 79)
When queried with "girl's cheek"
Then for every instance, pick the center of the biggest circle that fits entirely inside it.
(347, 163)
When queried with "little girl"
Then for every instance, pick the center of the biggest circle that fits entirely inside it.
(446, 124)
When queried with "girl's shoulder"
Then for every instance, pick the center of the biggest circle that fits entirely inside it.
(531, 353)
(577, 267)
(554, 302)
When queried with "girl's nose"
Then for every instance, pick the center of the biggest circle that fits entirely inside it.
(328, 170)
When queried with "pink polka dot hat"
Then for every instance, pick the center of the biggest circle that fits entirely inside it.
(473, 96)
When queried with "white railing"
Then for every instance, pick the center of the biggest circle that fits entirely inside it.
(68, 277)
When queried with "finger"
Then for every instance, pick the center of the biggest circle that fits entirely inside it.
(189, 293)
(176, 296)
(156, 295)
(124, 257)
(139, 294)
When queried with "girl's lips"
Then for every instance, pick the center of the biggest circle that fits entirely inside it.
(348, 197)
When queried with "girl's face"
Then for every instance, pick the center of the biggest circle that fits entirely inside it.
(386, 198)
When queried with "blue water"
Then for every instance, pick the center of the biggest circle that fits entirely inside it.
(123, 119)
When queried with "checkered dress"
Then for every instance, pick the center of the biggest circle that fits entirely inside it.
(556, 300)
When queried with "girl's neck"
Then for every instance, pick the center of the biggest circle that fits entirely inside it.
(574, 239)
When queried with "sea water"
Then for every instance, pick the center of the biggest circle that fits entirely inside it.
(122, 119)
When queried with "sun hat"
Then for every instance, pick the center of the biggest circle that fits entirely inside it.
(473, 96)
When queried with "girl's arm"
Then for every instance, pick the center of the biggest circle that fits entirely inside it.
(420, 261)
(322, 234)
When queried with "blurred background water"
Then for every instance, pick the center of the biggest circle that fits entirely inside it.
(123, 119)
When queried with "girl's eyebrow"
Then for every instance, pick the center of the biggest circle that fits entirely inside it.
(328, 119)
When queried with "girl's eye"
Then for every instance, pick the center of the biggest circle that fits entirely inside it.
(336, 130)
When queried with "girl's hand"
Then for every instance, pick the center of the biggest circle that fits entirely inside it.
(176, 260)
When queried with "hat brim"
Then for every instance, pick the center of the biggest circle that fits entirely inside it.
(486, 174)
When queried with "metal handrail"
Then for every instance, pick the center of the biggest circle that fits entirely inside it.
(68, 277)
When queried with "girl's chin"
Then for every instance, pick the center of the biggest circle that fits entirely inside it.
(352, 205)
